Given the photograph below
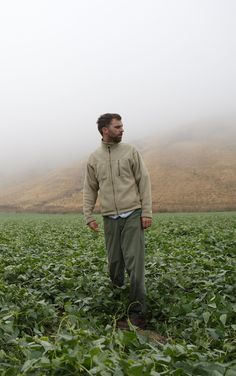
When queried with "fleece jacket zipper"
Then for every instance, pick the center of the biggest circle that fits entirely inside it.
(112, 182)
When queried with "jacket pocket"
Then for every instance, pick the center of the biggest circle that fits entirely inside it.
(124, 167)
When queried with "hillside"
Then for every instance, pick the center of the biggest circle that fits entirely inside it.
(192, 169)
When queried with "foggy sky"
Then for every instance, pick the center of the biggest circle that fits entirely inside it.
(158, 63)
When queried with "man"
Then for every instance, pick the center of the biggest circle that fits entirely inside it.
(117, 173)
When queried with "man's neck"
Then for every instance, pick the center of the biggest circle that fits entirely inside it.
(109, 142)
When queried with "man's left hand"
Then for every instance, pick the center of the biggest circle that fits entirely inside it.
(146, 222)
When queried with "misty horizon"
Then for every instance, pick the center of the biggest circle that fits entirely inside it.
(202, 131)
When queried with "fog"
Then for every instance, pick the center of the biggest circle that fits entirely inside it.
(159, 63)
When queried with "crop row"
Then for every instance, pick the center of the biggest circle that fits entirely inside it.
(58, 311)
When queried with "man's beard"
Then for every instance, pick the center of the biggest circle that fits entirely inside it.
(115, 139)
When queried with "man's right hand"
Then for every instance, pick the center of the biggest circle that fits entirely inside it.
(93, 225)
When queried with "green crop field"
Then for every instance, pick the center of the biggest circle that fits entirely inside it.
(58, 311)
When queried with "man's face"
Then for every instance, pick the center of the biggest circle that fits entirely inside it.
(114, 132)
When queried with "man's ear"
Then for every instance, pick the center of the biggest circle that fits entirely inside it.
(104, 131)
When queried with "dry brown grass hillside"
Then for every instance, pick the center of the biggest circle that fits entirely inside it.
(191, 169)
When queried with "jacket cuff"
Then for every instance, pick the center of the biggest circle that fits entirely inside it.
(89, 219)
(147, 214)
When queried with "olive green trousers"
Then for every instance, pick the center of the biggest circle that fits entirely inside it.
(124, 238)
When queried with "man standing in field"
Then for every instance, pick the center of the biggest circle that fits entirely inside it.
(117, 173)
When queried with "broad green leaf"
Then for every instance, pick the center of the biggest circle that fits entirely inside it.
(212, 305)
(28, 365)
(231, 371)
(223, 318)
(206, 315)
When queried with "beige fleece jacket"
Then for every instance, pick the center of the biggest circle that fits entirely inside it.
(116, 172)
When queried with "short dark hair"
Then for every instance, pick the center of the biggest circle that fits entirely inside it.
(105, 120)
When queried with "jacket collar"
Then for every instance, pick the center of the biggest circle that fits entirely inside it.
(109, 144)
